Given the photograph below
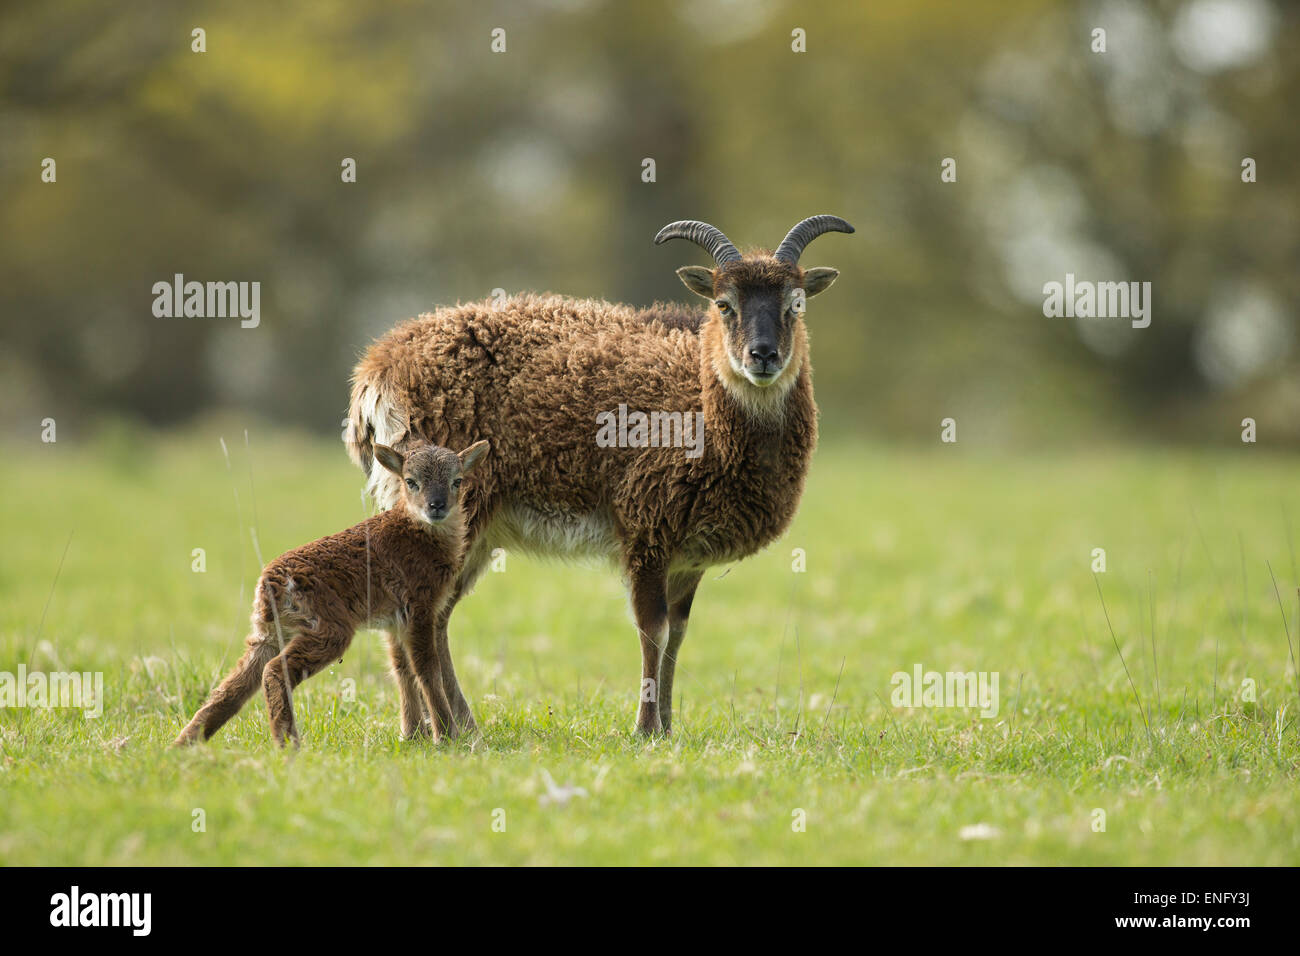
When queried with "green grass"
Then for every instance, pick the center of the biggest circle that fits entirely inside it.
(944, 558)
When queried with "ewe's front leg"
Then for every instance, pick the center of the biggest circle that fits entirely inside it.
(650, 607)
(681, 594)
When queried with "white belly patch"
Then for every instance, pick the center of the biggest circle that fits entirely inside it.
(556, 535)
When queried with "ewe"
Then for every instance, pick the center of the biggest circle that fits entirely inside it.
(538, 375)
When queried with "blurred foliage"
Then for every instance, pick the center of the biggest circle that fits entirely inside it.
(522, 169)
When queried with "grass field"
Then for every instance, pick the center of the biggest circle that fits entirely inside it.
(944, 558)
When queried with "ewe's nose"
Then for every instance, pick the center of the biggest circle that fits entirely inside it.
(764, 353)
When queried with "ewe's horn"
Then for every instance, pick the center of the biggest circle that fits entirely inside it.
(792, 246)
(702, 234)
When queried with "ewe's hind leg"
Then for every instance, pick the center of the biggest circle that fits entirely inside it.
(681, 594)
(308, 653)
(650, 607)
(408, 689)
(231, 694)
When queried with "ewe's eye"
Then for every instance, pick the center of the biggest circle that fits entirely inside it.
(412, 485)
(723, 306)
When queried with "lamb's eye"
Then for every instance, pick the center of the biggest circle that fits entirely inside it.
(456, 483)
(412, 485)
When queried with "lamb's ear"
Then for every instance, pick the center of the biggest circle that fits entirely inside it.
(472, 455)
(818, 280)
(390, 459)
(698, 279)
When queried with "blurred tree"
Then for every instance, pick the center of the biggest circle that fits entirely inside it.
(522, 169)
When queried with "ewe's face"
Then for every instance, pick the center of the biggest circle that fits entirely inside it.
(758, 321)
(760, 303)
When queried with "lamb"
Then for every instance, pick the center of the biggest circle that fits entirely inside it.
(537, 375)
(393, 570)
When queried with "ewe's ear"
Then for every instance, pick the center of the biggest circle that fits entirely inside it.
(818, 280)
(698, 279)
(472, 455)
(390, 459)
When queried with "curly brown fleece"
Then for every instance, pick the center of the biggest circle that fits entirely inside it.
(533, 374)
(394, 570)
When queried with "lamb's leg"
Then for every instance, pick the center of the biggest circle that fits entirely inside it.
(681, 593)
(428, 671)
(460, 710)
(232, 693)
(476, 559)
(408, 689)
(308, 653)
(650, 608)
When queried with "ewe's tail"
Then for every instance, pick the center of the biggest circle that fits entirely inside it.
(377, 415)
